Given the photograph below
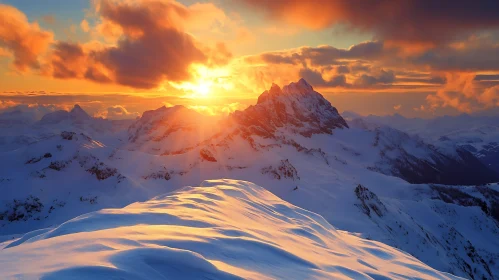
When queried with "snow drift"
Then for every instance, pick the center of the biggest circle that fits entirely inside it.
(224, 229)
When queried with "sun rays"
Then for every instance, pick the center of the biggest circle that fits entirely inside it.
(206, 82)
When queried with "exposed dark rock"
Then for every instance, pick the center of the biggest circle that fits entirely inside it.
(102, 172)
(369, 201)
(91, 199)
(207, 155)
(284, 170)
(22, 210)
(37, 159)
(58, 165)
(158, 175)
(68, 135)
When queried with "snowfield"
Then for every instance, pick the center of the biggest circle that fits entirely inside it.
(223, 229)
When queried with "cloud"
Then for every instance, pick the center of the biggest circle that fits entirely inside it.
(4, 104)
(424, 21)
(487, 77)
(5, 53)
(469, 56)
(117, 112)
(464, 94)
(152, 45)
(379, 77)
(397, 107)
(315, 78)
(342, 69)
(421, 108)
(27, 112)
(360, 64)
(322, 55)
(25, 40)
(214, 110)
(422, 79)
(84, 25)
(68, 60)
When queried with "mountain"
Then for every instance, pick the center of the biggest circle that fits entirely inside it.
(357, 175)
(189, 234)
(297, 107)
(478, 135)
(169, 129)
(76, 115)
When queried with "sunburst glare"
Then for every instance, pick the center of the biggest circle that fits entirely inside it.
(206, 82)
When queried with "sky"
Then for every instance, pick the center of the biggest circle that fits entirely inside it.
(118, 58)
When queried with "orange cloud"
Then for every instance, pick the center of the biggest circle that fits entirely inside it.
(5, 53)
(404, 21)
(84, 25)
(25, 40)
(68, 61)
(153, 46)
(117, 112)
(465, 94)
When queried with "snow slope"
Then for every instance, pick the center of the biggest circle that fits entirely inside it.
(224, 229)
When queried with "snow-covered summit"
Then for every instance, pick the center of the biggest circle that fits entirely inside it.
(296, 107)
(224, 229)
(76, 115)
(173, 127)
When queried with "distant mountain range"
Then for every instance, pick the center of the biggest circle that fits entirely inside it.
(478, 135)
(387, 179)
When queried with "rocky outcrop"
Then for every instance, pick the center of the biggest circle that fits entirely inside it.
(369, 202)
(282, 171)
(205, 154)
(297, 108)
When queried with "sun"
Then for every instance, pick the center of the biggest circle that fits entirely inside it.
(206, 82)
(203, 88)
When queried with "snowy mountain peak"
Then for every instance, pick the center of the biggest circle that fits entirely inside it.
(77, 113)
(296, 107)
(157, 125)
(301, 86)
(273, 92)
(164, 112)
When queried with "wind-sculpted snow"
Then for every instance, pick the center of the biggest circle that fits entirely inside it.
(224, 229)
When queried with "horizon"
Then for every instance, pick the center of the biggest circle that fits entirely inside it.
(121, 113)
